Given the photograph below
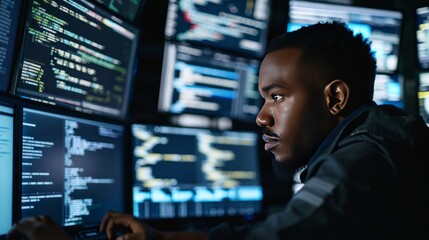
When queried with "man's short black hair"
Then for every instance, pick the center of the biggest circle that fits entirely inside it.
(333, 50)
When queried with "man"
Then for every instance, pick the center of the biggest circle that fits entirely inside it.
(359, 162)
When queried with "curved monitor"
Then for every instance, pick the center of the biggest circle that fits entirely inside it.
(382, 27)
(240, 26)
(10, 11)
(423, 96)
(423, 37)
(191, 172)
(7, 118)
(74, 173)
(78, 56)
(205, 81)
(388, 89)
(125, 8)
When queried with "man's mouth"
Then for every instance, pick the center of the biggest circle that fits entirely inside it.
(270, 141)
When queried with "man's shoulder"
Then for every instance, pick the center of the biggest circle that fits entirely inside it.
(390, 122)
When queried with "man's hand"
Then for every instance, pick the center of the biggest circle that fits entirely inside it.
(128, 224)
(135, 229)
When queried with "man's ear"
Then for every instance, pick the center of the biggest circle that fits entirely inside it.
(336, 96)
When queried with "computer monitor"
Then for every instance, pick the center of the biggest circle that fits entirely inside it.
(72, 168)
(382, 27)
(10, 11)
(76, 55)
(7, 116)
(423, 96)
(124, 8)
(423, 37)
(388, 89)
(240, 26)
(194, 173)
(204, 81)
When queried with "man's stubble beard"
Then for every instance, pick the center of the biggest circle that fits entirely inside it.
(282, 170)
(288, 170)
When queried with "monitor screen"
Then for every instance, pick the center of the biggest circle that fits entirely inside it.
(77, 56)
(208, 82)
(125, 8)
(423, 96)
(10, 11)
(6, 166)
(381, 27)
(191, 172)
(423, 37)
(388, 89)
(239, 25)
(72, 168)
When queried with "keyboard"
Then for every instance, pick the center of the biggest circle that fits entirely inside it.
(93, 234)
(90, 235)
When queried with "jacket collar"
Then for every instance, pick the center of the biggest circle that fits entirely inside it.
(329, 141)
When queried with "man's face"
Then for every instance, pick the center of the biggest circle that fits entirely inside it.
(295, 116)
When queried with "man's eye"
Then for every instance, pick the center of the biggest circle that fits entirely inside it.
(276, 97)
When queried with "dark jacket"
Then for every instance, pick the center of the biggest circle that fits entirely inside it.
(370, 182)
